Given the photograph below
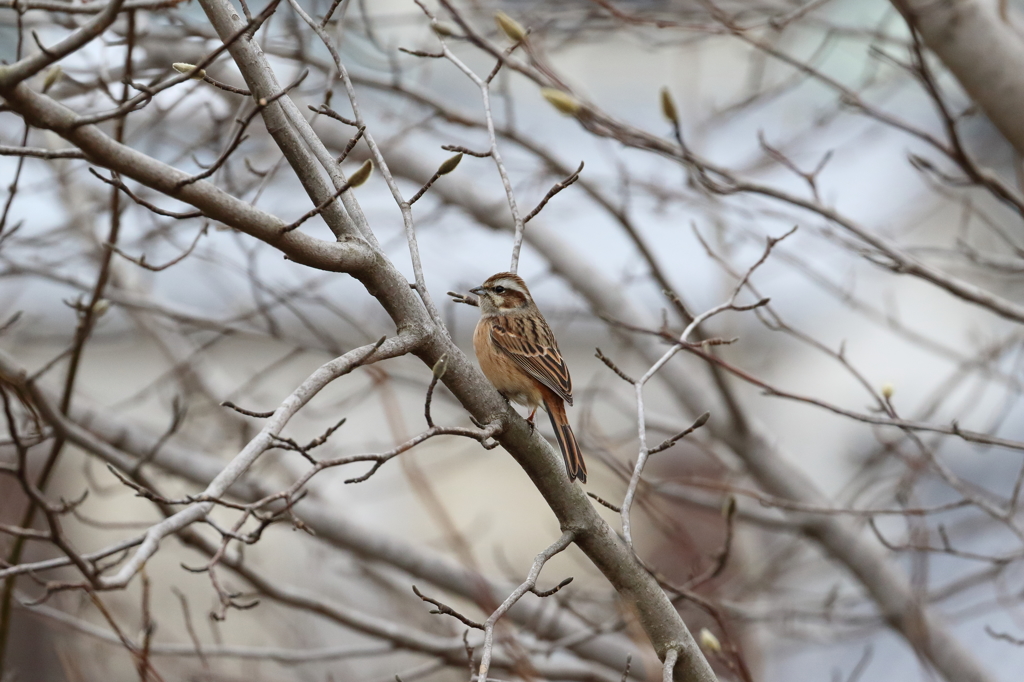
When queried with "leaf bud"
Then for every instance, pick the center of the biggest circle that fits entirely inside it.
(562, 101)
(668, 107)
(100, 307)
(709, 642)
(449, 165)
(52, 76)
(184, 67)
(361, 175)
(729, 507)
(442, 28)
(440, 366)
(510, 27)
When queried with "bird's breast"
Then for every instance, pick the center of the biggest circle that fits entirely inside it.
(510, 380)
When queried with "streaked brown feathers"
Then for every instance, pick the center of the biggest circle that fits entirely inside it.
(571, 454)
(532, 346)
(517, 351)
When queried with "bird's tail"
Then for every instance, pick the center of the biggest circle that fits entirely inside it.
(574, 464)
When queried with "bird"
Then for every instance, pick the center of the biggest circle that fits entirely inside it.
(518, 353)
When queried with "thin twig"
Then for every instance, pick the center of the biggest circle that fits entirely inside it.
(446, 610)
(559, 186)
(531, 582)
(141, 260)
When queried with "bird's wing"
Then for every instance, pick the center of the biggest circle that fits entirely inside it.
(531, 345)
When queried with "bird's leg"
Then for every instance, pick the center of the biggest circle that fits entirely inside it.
(529, 420)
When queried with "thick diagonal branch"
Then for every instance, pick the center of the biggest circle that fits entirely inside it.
(979, 42)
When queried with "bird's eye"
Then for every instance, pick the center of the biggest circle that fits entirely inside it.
(499, 289)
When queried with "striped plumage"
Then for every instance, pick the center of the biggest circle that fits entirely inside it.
(519, 354)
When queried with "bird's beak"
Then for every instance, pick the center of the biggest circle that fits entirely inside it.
(479, 291)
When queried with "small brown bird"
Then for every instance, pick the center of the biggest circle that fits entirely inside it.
(519, 354)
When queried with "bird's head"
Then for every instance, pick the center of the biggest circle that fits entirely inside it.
(503, 293)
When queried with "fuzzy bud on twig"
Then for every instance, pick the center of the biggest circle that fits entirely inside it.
(887, 390)
(510, 27)
(52, 76)
(729, 507)
(100, 307)
(440, 366)
(562, 101)
(709, 642)
(449, 165)
(668, 107)
(184, 67)
(361, 175)
(444, 169)
(442, 29)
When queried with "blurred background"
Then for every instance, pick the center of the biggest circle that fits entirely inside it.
(820, 101)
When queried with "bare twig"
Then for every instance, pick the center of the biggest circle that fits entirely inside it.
(447, 610)
(531, 581)
(558, 187)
